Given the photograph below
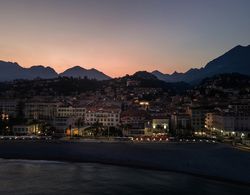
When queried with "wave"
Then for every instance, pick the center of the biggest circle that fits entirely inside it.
(2, 160)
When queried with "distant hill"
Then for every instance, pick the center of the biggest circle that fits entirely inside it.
(224, 85)
(79, 72)
(143, 75)
(12, 71)
(226, 81)
(41, 72)
(149, 80)
(49, 87)
(236, 60)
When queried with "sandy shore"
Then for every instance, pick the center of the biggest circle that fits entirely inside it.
(215, 161)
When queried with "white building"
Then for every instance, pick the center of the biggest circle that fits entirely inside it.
(69, 111)
(230, 124)
(109, 117)
(223, 122)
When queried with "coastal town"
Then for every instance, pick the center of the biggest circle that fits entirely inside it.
(124, 97)
(137, 108)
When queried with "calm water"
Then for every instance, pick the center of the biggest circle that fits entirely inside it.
(43, 177)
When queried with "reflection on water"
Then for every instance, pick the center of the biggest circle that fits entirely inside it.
(43, 177)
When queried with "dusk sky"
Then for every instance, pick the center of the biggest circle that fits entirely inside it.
(121, 36)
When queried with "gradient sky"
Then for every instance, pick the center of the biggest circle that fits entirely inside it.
(121, 36)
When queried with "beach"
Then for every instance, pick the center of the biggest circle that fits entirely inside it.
(214, 161)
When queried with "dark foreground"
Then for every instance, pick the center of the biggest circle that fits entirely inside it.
(49, 177)
(213, 161)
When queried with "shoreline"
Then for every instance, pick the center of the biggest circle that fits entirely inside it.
(177, 158)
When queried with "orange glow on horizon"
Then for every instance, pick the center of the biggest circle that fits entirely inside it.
(121, 37)
(113, 69)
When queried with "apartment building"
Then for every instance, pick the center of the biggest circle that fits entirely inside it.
(229, 123)
(71, 111)
(197, 115)
(109, 117)
(40, 110)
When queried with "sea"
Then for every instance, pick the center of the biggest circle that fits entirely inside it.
(49, 177)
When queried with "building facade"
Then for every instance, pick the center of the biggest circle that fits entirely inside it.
(70, 111)
(108, 117)
(228, 123)
(41, 110)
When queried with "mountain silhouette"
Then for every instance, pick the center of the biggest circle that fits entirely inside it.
(236, 60)
(12, 70)
(79, 72)
(41, 72)
(144, 75)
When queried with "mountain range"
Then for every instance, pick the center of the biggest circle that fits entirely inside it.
(11, 71)
(78, 71)
(236, 60)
